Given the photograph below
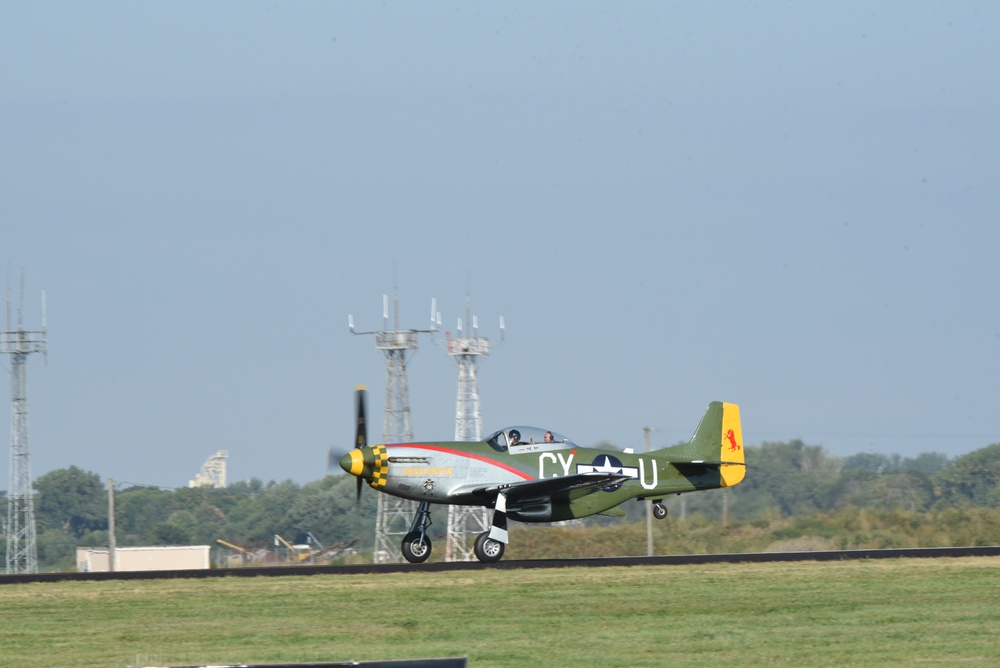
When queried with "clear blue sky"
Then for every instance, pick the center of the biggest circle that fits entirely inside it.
(790, 206)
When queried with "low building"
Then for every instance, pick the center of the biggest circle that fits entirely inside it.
(153, 558)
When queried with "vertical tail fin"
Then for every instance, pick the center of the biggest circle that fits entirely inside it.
(719, 439)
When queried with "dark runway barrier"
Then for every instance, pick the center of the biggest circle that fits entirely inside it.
(666, 560)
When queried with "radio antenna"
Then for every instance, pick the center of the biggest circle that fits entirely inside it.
(397, 345)
(22, 548)
(467, 349)
(20, 304)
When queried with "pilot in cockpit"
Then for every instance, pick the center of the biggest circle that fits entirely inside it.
(515, 437)
(549, 438)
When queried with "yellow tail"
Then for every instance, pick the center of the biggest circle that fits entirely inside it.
(734, 468)
(718, 441)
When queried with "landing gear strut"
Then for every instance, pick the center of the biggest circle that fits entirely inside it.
(416, 545)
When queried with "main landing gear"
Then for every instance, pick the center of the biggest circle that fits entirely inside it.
(488, 550)
(416, 546)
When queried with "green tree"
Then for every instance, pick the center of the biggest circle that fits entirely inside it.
(71, 499)
(56, 550)
(791, 477)
(871, 461)
(865, 488)
(327, 509)
(971, 479)
(171, 533)
(927, 463)
(138, 510)
(902, 491)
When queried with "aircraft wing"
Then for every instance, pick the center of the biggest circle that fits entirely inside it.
(547, 487)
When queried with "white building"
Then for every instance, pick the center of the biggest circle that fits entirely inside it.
(154, 558)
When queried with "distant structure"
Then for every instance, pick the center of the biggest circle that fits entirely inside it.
(467, 522)
(394, 515)
(213, 471)
(22, 547)
(152, 558)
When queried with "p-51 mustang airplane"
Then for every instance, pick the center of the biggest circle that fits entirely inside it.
(534, 475)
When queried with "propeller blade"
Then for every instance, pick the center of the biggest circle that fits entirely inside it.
(336, 453)
(361, 437)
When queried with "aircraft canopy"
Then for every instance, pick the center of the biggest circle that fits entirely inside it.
(528, 439)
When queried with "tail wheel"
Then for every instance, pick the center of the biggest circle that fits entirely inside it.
(416, 547)
(659, 510)
(488, 550)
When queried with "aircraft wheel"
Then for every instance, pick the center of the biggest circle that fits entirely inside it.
(415, 548)
(488, 550)
(659, 511)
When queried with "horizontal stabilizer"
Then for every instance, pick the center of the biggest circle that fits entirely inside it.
(703, 462)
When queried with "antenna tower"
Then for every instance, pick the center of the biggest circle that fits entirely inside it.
(22, 548)
(467, 522)
(394, 515)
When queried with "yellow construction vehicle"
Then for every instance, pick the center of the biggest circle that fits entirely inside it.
(296, 553)
(243, 557)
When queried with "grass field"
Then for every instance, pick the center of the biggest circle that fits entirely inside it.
(858, 613)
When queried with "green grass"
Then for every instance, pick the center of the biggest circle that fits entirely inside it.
(858, 613)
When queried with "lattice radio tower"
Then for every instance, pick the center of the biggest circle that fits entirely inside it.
(467, 522)
(394, 515)
(22, 549)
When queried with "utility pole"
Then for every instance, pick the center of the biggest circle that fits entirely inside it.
(112, 541)
(725, 510)
(19, 343)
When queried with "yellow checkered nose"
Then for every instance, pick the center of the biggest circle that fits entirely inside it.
(369, 463)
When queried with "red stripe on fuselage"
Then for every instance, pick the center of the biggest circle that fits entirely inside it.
(460, 453)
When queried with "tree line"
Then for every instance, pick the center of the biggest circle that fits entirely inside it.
(784, 480)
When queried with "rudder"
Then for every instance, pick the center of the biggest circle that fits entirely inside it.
(732, 454)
